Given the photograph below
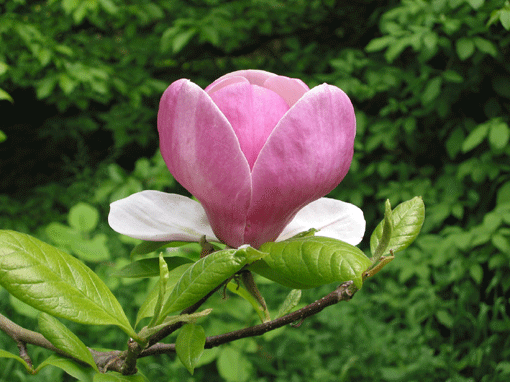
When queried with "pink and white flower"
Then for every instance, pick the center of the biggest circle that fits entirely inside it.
(259, 151)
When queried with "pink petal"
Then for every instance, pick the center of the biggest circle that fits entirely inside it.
(158, 216)
(290, 89)
(308, 153)
(203, 153)
(334, 218)
(253, 112)
(255, 77)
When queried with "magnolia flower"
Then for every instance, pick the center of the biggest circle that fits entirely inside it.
(259, 151)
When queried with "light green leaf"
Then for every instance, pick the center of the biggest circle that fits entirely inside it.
(432, 90)
(6, 354)
(485, 46)
(5, 95)
(379, 43)
(465, 48)
(81, 373)
(113, 376)
(62, 338)
(164, 276)
(407, 219)
(149, 267)
(189, 345)
(206, 274)
(290, 302)
(386, 234)
(93, 250)
(504, 18)
(241, 292)
(182, 39)
(476, 3)
(56, 283)
(148, 306)
(475, 137)
(83, 217)
(233, 365)
(3, 67)
(61, 234)
(499, 135)
(146, 331)
(309, 262)
(3, 137)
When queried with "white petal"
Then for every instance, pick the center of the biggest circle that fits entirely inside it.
(335, 219)
(158, 216)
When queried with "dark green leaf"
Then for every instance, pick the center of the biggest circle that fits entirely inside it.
(189, 345)
(309, 262)
(113, 376)
(62, 338)
(407, 219)
(56, 283)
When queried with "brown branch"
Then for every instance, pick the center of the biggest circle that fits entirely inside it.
(343, 293)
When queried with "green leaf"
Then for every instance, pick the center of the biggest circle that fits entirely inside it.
(164, 276)
(407, 219)
(308, 262)
(485, 46)
(504, 18)
(93, 250)
(475, 137)
(432, 90)
(3, 137)
(81, 373)
(379, 43)
(206, 274)
(5, 95)
(233, 365)
(83, 217)
(6, 354)
(62, 338)
(465, 48)
(182, 39)
(149, 267)
(149, 305)
(476, 3)
(189, 345)
(242, 292)
(290, 302)
(56, 283)
(386, 234)
(499, 135)
(113, 376)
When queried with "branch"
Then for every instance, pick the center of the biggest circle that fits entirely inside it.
(343, 293)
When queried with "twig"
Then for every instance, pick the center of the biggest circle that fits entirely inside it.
(343, 293)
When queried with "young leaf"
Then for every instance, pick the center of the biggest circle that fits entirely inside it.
(190, 345)
(62, 338)
(240, 291)
(56, 283)
(309, 262)
(206, 274)
(6, 354)
(407, 219)
(81, 373)
(148, 306)
(385, 235)
(149, 267)
(290, 302)
(164, 276)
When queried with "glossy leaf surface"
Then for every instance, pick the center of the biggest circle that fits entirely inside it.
(308, 262)
(206, 274)
(56, 283)
(190, 345)
(62, 338)
(407, 219)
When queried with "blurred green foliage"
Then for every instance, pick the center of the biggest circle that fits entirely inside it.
(430, 81)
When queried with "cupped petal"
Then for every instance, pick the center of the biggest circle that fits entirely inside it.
(253, 112)
(290, 89)
(159, 216)
(307, 154)
(254, 76)
(203, 154)
(334, 218)
(220, 84)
